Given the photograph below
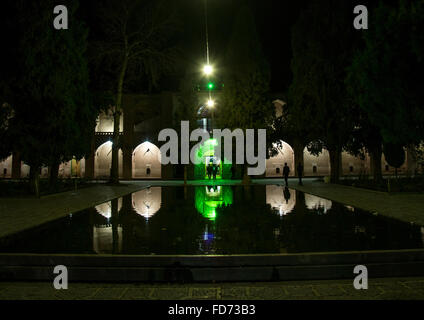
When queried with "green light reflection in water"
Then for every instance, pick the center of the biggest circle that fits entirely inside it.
(209, 198)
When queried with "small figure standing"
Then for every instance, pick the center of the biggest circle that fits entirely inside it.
(286, 172)
(209, 170)
(214, 171)
(300, 173)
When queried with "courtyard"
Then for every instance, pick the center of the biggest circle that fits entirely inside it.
(384, 285)
(211, 150)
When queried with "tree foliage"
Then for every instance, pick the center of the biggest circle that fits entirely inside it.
(53, 117)
(187, 102)
(394, 154)
(134, 42)
(386, 75)
(246, 80)
(322, 42)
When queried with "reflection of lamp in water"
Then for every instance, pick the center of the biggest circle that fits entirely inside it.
(147, 205)
(206, 235)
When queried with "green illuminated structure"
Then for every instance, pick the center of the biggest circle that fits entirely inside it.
(206, 154)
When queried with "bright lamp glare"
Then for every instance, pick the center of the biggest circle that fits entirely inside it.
(207, 69)
(211, 103)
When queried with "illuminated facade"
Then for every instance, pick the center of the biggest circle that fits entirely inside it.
(144, 116)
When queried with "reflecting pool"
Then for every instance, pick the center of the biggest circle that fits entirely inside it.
(217, 220)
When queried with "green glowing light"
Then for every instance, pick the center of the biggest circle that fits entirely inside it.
(211, 85)
(203, 155)
(207, 201)
(211, 143)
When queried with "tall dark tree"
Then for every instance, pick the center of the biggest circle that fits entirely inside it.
(322, 41)
(8, 71)
(245, 103)
(134, 38)
(385, 78)
(6, 115)
(52, 111)
(394, 155)
(186, 109)
(246, 78)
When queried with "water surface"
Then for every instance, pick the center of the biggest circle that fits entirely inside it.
(217, 220)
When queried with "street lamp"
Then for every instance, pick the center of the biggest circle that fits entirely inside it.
(207, 70)
(211, 103)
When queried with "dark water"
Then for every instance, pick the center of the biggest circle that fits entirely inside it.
(217, 220)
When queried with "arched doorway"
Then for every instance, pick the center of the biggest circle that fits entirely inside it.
(205, 156)
(316, 165)
(6, 168)
(275, 164)
(103, 161)
(146, 162)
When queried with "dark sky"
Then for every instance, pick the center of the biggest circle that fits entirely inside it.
(273, 21)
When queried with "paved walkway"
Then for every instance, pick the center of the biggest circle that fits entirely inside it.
(380, 289)
(20, 214)
(407, 207)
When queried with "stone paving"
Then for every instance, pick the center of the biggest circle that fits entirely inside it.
(378, 289)
(18, 214)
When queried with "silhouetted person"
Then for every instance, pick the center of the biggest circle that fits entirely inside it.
(286, 172)
(286, 194)
(214, 171)
(300, 172)
(209, 170)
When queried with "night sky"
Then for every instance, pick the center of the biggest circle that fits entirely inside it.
(274, 20)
